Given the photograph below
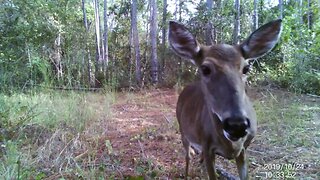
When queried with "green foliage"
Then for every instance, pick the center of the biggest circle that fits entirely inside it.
(14, 116)
(46, 109)
(24, 28)
(29, 52)
(14, 165)
(295, 62)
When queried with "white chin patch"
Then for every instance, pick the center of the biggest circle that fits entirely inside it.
(237, 143)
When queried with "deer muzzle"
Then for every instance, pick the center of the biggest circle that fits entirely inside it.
(236, 127)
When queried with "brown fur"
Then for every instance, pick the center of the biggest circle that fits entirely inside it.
(215, 115)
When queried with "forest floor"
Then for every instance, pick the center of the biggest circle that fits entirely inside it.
(143, 133)
(134, 135)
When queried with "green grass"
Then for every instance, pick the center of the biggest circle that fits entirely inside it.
(288, 122)
(16, 163)
(41, 132)
(289, 128)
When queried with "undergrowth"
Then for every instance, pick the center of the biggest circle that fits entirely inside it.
(60, 135)
(44, 134)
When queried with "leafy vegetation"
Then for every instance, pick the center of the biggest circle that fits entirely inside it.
(294, 64)
(47, 44)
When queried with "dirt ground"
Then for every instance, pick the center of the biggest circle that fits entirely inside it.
(142, 138)
(144, 133)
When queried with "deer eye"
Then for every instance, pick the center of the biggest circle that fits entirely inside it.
(246, 69)
(205, 70)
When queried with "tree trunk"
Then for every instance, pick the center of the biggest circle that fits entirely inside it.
(57, 56)
(145, 63)
(281, 9)
(217, 5)
(175, 13)
(217, 30)
(164, 38)
(131, 54)
(153, 39)
(256, 15)
(105, 38)
(85, 21)
(97, 28)
(209, 24)
(178, 10)
(91, 74)
(136, 40)
(236, 31)
(301, 42)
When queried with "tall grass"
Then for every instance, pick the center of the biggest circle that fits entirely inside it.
(287, 120)
(45, 129)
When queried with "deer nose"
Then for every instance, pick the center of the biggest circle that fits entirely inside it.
(236, 127)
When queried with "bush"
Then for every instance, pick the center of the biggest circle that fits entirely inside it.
(295, 62)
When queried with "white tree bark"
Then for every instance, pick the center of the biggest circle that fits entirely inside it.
(97, 28)
(105, 37)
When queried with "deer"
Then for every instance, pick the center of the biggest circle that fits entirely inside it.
(215, 115)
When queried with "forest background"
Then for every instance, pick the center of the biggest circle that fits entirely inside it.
(123, 44)
(53, 52)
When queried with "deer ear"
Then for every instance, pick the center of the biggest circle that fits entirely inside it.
(182, 41)
(262, 40)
